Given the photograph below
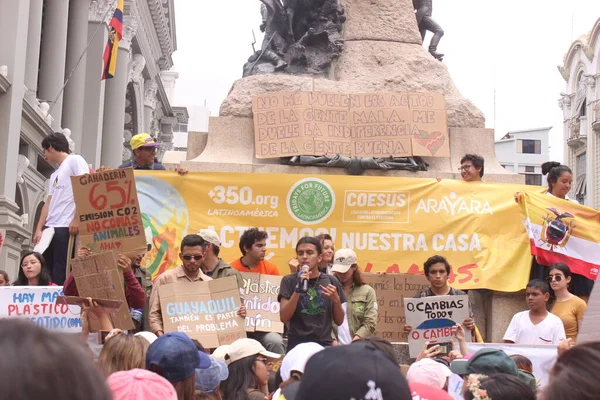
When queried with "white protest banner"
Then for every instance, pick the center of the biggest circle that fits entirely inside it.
(38, 304)
(542, 356)
(432, 319)
(260, 298)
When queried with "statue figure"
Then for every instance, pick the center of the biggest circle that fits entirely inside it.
(423, 12)
(301, 37)
(358, 165)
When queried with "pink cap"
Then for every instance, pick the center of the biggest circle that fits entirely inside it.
(139, 384)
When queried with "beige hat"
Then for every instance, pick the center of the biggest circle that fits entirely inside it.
(210, 236)
(220, 353)
(245, 347)
(343, 260)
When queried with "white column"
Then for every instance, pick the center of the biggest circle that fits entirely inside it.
(52, 57)
(93, 104)
(72, 117)
(150, 100)
(168, 79)
(34, 32)
(14, 20)
(114, 102)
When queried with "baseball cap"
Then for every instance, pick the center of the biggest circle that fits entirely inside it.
(208, 379)
(176, 356)
(345, 372)
(296, 359)
(140, 384)
(343, 260)
(429, 372)
(149, 336)
(142, 140)
(220, 353)
(209, 236)
(421, 391)
(246, 347)
(486, 361)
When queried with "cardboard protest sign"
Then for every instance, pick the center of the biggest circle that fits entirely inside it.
(109, 213)
(590, 327)
(391, 289)
(432, 319)
(260, 299)
(353, 125)
(206, 311)
(37, 304)
(98, 277)
(2, 236)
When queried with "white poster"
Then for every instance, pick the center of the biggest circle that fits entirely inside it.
(432, 319)
(542, 356)
(38, 304)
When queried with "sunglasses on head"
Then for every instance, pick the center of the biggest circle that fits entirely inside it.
(557, 278)
(189, 258)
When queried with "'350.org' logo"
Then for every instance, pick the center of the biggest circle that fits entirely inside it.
(310, 201)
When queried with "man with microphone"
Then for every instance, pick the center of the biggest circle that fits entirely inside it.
(310, 300)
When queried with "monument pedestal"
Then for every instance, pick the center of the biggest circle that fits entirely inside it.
(382, 53)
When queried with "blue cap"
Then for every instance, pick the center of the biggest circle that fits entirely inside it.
(176, 357)
(208, 379)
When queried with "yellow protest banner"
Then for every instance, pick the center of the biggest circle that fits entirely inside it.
(394, 224)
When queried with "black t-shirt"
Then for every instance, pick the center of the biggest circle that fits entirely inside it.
(313, 317)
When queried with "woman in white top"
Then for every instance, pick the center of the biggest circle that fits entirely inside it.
(560, 180)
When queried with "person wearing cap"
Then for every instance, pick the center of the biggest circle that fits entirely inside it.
(486, 361)
(212, 265)
(429, 372)
(311, 301)
(248, 370)
(140, 384)
(293, 365)
(351, 372)
(208, 380)
(437, 270)
(253, 245)
(144, 149)
(360, 309)
(423, 391)
(175, 357)
(191, 255)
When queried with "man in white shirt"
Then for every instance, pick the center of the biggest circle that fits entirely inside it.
(59, 210)
(536, 326)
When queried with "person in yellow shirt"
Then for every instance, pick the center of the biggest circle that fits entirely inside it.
(568, 307)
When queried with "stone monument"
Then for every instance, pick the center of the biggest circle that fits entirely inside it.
(382, 52)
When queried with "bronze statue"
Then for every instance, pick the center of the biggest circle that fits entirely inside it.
(424, 9)
(358, 165)
(301, 37)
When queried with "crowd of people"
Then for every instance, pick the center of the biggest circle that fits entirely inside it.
(329, 349)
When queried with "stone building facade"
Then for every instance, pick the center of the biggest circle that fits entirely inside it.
(580, 104)
(46, 42)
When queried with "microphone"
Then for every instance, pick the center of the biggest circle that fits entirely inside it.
(305, 268)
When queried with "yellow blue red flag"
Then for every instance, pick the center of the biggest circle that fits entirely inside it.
(112, 45)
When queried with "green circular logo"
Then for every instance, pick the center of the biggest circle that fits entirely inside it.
(310, 201)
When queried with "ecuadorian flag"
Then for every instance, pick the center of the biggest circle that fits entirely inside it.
(112, 45)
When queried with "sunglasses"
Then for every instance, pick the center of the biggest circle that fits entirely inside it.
(189, 258)
(556, 278)
(151, 149)
(263, 360)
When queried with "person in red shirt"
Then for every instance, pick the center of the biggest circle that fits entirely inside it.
(134, 293)
(253, 245)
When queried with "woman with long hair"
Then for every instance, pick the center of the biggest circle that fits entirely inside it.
(248, 371)
(568, 307)
(360, 319)
(33, 271)
(122, 353)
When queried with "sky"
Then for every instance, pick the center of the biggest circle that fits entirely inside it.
(502, 55)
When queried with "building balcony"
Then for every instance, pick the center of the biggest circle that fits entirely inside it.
(596, 125)
(577, 141)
